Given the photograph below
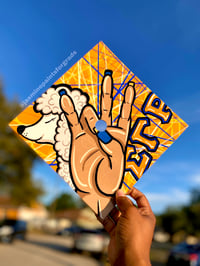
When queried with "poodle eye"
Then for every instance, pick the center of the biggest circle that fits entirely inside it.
(50, 120)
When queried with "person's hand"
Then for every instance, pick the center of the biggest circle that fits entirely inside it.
(131, 230)
(97, 168)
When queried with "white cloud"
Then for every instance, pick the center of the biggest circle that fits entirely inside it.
(173, 197)
(195, 179)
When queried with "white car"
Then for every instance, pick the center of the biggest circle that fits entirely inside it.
(11, 229)
(94, 241)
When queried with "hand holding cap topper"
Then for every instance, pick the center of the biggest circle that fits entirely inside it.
(89, 144)
(96, 155)
(97, 148)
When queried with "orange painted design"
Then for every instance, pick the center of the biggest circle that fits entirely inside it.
(87, 75)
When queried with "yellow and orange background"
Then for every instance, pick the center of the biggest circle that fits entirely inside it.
(87, 75)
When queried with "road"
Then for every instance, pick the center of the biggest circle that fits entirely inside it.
(43, 250)
(51, 250)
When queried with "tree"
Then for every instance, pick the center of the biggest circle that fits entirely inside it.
(65, 201)
(183, 218)
(16, 159)
(170, 220)
(195, 196)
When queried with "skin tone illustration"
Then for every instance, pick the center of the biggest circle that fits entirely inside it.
(99, 127)
(99, 152)
(101, 133)
(104, 136)
(95, 149)
(98, 162)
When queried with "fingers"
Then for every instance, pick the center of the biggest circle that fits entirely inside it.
(108, 144)
(118, 134)
(71, 115)
(106, 141)
(107, 223)
(125, 113)
(144, 207)
(140, 198)
(111, 220)
(106, 97)
(112, 148)
(124, 202)
(89, 118)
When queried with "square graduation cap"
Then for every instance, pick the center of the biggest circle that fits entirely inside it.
(154, 126)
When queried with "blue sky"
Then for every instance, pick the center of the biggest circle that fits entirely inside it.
(158, 40)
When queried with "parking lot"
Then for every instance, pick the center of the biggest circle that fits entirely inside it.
(52, 250)
(43, 250)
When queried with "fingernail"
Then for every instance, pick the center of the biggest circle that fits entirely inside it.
(108, 72)
(120, 193)
(62, 92)
(67, 104)
(131, 83)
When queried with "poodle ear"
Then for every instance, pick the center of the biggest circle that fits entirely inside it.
(48, 102)
(38, 101)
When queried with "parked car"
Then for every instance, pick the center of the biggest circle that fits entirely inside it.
(184, 254)
(91, 240)
(69, 231)
(10, 229)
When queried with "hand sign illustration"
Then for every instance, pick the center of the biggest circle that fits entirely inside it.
(94, 152)
(98, 149)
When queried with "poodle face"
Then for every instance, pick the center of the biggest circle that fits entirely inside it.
(52, 128)
(43, 131)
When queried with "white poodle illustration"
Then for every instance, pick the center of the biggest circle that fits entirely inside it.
(52, 127)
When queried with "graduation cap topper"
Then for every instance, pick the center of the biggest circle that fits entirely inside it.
(100, 127)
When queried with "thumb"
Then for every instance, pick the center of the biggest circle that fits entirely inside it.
(123, 202)
(112, 148)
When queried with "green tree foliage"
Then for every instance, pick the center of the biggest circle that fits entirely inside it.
(16, 159)
(184, 218)
(66, 201)
(195, 196)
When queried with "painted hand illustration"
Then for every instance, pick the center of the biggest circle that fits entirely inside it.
(97, 159)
